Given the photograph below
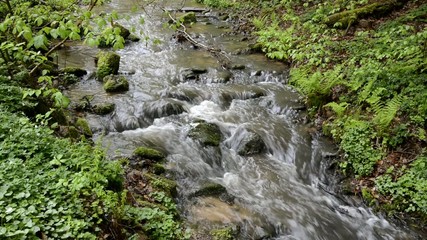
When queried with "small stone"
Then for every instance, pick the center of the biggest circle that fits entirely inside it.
(103, 108)
(79, 72)
(149, 153)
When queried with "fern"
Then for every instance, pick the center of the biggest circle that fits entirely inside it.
(339, 109)
(385, 113)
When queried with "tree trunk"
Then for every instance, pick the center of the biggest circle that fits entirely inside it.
(377, 9)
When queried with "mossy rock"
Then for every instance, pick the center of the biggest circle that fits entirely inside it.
(208, 134)
(124, 32)
(158, 168)
(79, 72)
(210, 189)
(226, 233)
(73, 133)
(83, 125)
(108, 63)
(103, 108)
(251, 144)
(114, 83)
(149, 153)
(163, 184)
(189, 17)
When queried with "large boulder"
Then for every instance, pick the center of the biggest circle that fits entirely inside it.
(114, 83)
(108, 63)
(208, 134)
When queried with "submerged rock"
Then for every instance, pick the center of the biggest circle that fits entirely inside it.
(246, 142)
(79, 72)
(251, 144)
(162, 108)
(208, 134)
(108, 63)
(192, 73)
(115, 83)
(210, 189)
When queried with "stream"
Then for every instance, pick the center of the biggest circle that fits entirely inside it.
(272, 194)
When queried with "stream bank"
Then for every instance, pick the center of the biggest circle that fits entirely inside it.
(263, 168)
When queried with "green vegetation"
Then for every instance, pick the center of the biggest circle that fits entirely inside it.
(51, 187)
(149, 153)
(365, 78)
(207, 134)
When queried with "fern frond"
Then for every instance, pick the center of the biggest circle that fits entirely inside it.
(385, 113)
(339, 109)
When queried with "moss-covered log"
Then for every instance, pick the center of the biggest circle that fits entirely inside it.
(376, 9)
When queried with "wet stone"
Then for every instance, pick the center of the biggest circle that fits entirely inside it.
(114, 83)
(107, 63)
(103, 108)
(208, 134)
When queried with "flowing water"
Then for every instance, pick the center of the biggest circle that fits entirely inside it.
(276, 193)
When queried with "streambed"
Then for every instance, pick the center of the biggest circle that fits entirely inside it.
(272, 192)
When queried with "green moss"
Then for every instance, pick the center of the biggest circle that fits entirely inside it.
(83, 125)
(189, 17)
(158, 168)
(163, 184)
(149, 153)
(108, 63)
(208, 134)
(133, 38)
(367, 196)
(104, 108)
(222, 234)
(73, 133)
(115, 83)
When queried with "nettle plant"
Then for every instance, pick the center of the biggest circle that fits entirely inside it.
(30, 31)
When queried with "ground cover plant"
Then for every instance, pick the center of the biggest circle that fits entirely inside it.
(62, 188)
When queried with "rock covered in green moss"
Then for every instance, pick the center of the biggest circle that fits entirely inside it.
(161, 183)
(207, 134)
(114, 83)
(103, 108)
(133, 38)
(226, 233)
(83, 125)
(79, 72)
(124, 32)
(149, 153)
(108, 63)
(189, 17)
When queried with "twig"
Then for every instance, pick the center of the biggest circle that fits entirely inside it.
(222, 57)
(90, 8)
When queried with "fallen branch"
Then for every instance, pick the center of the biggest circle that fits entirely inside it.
(221, 55)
